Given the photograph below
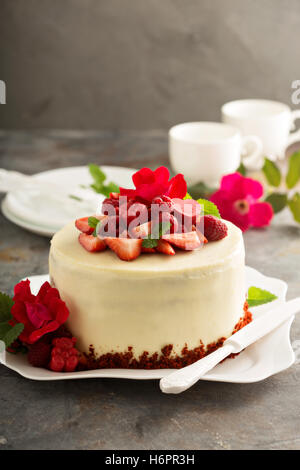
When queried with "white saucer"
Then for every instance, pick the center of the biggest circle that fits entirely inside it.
(266, 357)
(44, 216)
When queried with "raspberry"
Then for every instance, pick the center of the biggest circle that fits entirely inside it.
(214, 229)
(57, 363)
(64, 357)
(39, 354)
(157, 200)
(71, 363)
(63, 343)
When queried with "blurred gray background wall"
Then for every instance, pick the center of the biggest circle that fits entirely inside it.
(142, 64)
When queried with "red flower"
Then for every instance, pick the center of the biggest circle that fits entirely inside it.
(150, 184)
(237, 201)
(39, 314)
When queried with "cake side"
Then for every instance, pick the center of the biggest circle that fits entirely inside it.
(189, 301)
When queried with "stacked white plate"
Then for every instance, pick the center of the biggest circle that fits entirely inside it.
(44, 213)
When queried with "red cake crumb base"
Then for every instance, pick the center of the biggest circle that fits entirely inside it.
(164, 360)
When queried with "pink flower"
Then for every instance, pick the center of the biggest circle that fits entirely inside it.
(237, 200)
(150, 184)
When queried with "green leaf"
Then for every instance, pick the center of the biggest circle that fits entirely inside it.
(272, 173)
(97, 174)
(187, 196)
(99, 177)
(294, 205)
(293, 174)
(6, 304)
(13, 334)
(149, 243)
(242, 169)
(93, 222)
(278, 201)
(200, 190)
(209, 208)
(257, 296)
(4, 328)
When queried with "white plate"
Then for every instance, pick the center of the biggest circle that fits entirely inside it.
(266, 357)
(45, 215)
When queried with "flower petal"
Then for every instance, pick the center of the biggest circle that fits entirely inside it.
(252, 188)
(149, 191)
(22, 291)
(162, 175)
(238, 187)
(177, 187)
(261, 214)
(130, 193)
(143, 176)
(228, 211)
(37, 334)
(229, 182)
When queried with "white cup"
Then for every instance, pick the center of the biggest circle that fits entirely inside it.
(271, 121)
(206, 151)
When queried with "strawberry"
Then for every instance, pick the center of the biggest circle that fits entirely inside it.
(148, 250)
(114, 195)
(164, 247)
(91, 243)
(201, 237)
(83, 226)
(214, 228)
(185, 241)
(141, 231)
(127, 249)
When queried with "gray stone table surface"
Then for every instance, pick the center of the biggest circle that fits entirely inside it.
(120, 414)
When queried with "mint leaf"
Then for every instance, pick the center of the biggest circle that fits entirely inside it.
(209, 208)
(294, 205)
(4, 328)
(163, 228)
(97, 174)
(93, 222)
(278, 201)
(293, 174)
(99, 177)
(6, 304)
(257, 296)
(272, 173)
(187, 196)
(149, 242)
(241, 169)
(13, 334)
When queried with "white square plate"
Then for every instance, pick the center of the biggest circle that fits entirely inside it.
(266, 357)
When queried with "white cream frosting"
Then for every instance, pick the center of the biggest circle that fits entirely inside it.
(152, 301)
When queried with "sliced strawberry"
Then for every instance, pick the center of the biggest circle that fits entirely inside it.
(127, 249)
(164, 247)
(185, 241)
(148, 250)
(114, 195)
(141, 231)
(83, 226)
(91, 243)
(201, 237)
